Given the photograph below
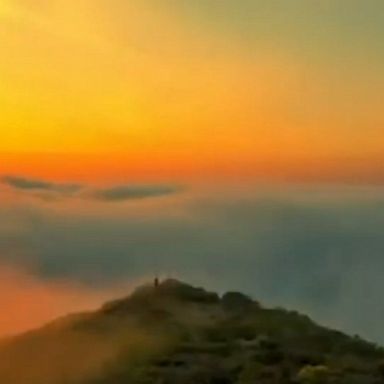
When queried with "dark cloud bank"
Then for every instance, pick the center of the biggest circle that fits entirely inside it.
(26, 184)
(322, 253)
(130, 192)
(46, 189)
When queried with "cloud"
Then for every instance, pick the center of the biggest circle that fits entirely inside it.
(318, 251)
(27, 184)
(132, 192)
(47, 190)
(31, 301)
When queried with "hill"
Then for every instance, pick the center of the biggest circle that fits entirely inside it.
(176, 333)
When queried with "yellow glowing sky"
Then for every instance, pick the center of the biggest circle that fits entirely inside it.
(156, 88)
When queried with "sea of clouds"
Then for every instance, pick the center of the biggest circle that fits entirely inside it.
(318, 249)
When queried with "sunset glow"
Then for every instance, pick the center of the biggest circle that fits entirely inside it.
(163, 94)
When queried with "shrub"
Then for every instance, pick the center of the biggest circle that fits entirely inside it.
(250, 374)
(314, 374)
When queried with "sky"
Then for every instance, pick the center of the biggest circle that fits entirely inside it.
(236, 144)
(253, 89)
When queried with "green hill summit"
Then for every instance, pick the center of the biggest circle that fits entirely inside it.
(174, 333)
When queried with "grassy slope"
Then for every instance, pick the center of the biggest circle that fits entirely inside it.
(179, 334)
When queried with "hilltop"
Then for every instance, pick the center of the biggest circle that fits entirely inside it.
(177, 333)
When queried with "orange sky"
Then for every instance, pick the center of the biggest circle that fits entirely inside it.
(117, 167)
(96, 89)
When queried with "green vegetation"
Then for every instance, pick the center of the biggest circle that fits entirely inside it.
(178, 334)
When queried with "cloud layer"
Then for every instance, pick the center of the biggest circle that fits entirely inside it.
(317, 250)
(129, 192)
(46, 189)
(29, 301)
(27, 184)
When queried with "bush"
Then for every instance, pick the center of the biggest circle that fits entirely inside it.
(235, 302)
(250, 374)
(269, 357)
(314, 374)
